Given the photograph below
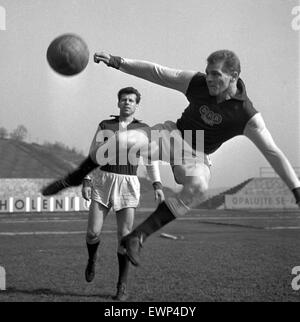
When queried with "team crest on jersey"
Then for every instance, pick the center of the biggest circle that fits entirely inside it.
(209, 117)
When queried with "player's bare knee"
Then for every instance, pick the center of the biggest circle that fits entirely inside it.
(202, 186)
(198, 187)
(123, 232)
(92, 237)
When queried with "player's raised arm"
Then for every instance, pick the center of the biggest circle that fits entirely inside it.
(161, 75)
(258, 133)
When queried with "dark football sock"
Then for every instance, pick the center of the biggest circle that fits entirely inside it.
(76, 177)
(123, 268)
(159, 218)
(92, 250)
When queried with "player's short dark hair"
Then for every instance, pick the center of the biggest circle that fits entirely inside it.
(230, 59)
(130, 90)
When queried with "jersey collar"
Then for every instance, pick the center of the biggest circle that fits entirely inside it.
(117, 117)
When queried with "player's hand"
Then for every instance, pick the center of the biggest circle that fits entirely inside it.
(159, 195)
(102, 57)
(86, 192)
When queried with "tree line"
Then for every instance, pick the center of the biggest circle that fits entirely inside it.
(20, 133)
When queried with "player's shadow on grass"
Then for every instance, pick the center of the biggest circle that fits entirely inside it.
(50, 292)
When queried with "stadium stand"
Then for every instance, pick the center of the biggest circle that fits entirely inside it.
(25, 168)
(19, 187)
(262, 193)
(266, 187)
(219, 200)
(24, 160)
(268, 192)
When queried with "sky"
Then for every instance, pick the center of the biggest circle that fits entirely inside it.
(175, 33)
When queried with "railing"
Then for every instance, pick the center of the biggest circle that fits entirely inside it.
(269, 172)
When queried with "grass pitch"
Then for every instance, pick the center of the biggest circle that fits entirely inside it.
(223, 256)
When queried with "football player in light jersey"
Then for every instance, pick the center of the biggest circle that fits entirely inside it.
(219, 106)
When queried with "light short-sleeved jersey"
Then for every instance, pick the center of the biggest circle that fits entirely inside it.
(220, 122)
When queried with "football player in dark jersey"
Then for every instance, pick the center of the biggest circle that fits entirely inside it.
(219, 107)
(116, 186)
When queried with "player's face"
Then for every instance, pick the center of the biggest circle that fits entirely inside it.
(218, 80)
(127, 104)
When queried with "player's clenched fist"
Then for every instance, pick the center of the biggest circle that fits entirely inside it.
(101, 56)
(109, 60)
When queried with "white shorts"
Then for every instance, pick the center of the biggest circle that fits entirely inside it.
(116, 191)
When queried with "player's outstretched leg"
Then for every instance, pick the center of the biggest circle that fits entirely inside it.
(133, 241)
(73, 179)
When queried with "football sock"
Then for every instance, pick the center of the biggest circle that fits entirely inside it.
(76, 177)
(92, 250)
(159, 218)
(123, 268)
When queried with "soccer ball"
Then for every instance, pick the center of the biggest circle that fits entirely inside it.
(68, 54)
